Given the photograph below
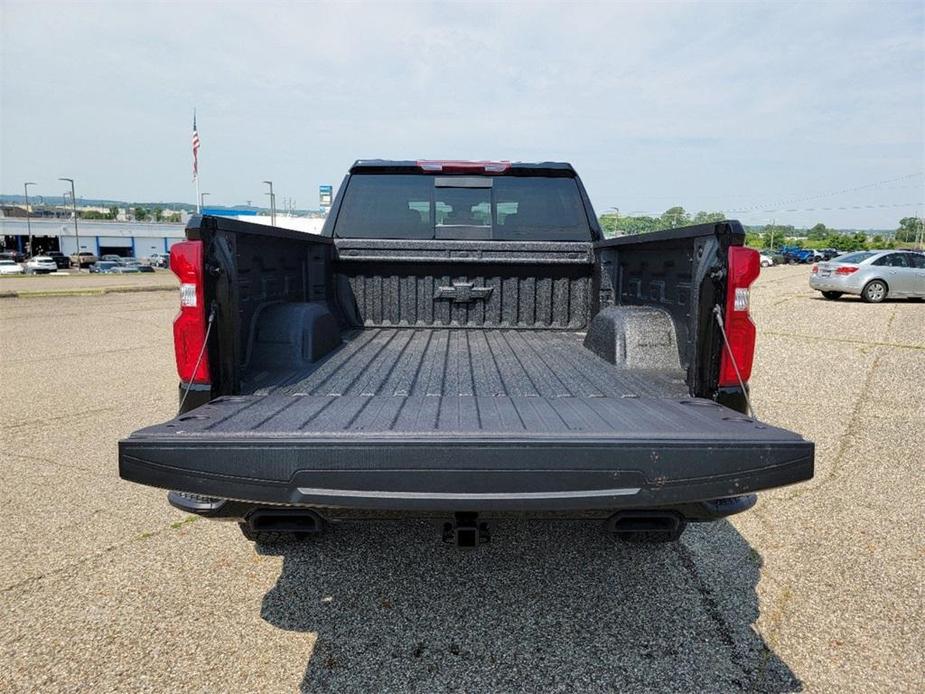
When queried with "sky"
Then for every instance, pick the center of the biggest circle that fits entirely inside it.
(792, 112)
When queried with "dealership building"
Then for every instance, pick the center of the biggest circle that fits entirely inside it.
(128, 239)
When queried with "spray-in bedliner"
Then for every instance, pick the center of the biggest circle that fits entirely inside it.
(462, 362)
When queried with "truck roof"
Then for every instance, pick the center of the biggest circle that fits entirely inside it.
(449, 166)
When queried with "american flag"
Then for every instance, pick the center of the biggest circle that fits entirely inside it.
(195, 148)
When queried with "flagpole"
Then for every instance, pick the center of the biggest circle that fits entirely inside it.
(196, 163)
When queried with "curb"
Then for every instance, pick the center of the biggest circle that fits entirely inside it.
(89, 291)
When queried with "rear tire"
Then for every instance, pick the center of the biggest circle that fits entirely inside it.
(874, 292)
(832, 296)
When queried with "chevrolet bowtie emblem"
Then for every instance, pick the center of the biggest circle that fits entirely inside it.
(462, 292)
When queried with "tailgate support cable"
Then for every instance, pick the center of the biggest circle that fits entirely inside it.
(202, 351)
(722, 328)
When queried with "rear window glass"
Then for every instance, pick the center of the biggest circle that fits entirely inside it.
(854, 257)
(502, 208)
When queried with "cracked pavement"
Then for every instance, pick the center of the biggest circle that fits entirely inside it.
(105, 587)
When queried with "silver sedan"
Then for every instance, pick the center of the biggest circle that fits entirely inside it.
(874, 275)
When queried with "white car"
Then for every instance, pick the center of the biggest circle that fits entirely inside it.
(41, 264)
(766, 260)
(8, 267)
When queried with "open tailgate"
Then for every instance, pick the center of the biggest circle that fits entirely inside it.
(465, 453)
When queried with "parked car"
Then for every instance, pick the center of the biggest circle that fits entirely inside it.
(15, 256)
(142, 267)
(83, 259)
(874, 275)
(766, 260)
(111, 258)
(503, 381)
(105, 267)
(61, 260)
(126, 269)
(8, 267)
(40, 265)
(794, 254)
(159, 259)
(820, 254)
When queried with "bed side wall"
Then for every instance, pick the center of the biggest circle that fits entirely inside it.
(681, 271)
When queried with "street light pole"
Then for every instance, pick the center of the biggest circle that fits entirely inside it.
(25, 187)
(74, 208)
(202, 200)
(272, 203)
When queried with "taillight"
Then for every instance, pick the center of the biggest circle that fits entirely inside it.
(189, 327)
(846, 270)
(744, 266)
(815, 268)
(441, 166)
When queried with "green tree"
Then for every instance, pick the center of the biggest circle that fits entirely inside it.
(708, 217)
(158, 214)
(608, 222)
(817, 232)
(674, 217)
(615, 224)
(754, 239)
(910, 228)
(114, 212)
(141, 214)
(776, 235)
(638, 225)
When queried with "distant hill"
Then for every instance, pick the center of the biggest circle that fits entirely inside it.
(96, 202)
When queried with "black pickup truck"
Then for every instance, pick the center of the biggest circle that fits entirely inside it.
(460, 342)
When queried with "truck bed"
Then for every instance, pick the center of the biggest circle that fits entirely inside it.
(465, 418)
(457, 363)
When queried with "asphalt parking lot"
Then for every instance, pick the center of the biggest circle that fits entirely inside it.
(106, 588)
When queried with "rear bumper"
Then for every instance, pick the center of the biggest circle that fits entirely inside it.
(240, 511)
(497, 477)
(834, 284)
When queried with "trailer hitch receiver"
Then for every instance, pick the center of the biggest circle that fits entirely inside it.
(466, 530)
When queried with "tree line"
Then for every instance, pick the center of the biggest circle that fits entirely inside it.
(769, 236)
(616, 224)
